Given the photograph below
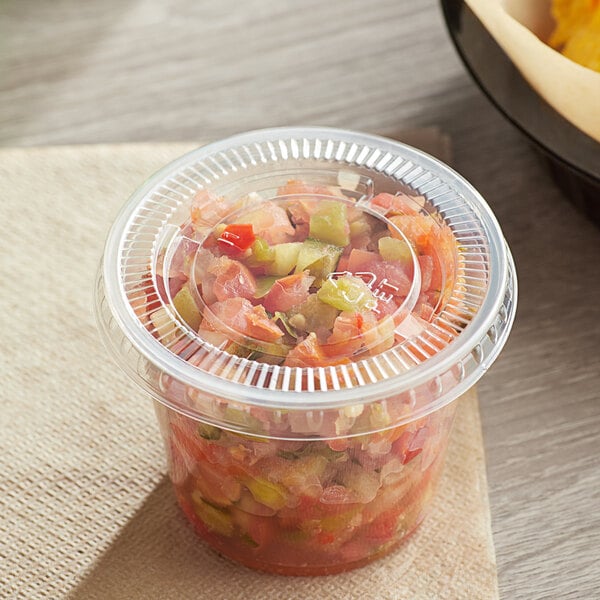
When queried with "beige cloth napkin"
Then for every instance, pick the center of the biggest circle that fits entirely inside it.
(86, 510)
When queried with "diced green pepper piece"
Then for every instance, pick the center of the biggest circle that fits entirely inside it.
(241, 418)
(296, 536)
(323, 451)
(208, 432)
(360, 227)
(260, 253)
(393, 249)
(313, 315)
(185, 305)
(271, 353)
(347, 293)
(280, 317)
(339, 521)
(246, 347)
(379, 416)
(214, 518)
(266, 492)
(319, 258)
(286, 256)
(329, 223)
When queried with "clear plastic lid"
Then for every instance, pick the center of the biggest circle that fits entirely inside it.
(306, 269)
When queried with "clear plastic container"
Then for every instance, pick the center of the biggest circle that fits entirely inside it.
(304, 305)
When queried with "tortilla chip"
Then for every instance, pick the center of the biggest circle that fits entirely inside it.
(577, 32)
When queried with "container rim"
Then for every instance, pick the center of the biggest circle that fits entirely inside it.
(502, 279)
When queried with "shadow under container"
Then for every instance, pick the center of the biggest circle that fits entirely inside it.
(312, 454)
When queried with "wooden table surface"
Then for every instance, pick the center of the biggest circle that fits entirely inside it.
(144, 70)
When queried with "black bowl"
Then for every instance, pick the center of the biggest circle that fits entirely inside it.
(572, 156)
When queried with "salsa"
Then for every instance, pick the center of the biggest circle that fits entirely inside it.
(305, 507)
(311, 280)
(308, 280)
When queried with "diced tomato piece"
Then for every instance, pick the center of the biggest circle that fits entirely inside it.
(410, 444)
(425, 311)
(309, 353)
(347, 336)
(419, 439)
(188, 445)
(233, 279)
(215, 485)
(417, 228)
(207, 209)
(385, 277)
(390, 204)
(236, 238)
(288, 292)
(353, 550)
(439, 271)
(300, 212)
(306, 509)
(384, 526)
(442, 249)
(175, 285)
(412, 453)
(261, 327)
(383, 202)
(244, 318)
(306, 504)
(326, 537)
(400, 446)
(396, 281)
(339, 444)
(272, 225)
(262, 530)
(342, 264)
(426, 265)
(385, 307)
(362, 260)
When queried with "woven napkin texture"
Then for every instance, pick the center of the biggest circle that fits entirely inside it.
(86, 510)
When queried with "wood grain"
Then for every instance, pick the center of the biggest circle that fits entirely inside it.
(139, 70)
